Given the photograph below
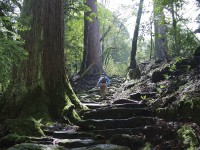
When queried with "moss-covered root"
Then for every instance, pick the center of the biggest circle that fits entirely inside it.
(12, 139)
(24, 127)
(70, 115)
(20, 130)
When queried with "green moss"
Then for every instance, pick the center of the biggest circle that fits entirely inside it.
(134, 73)
(12, 139)
(188, 137)
(69, 112)
(24, 127)
(35, 105)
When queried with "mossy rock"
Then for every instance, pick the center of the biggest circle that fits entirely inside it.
(168, 114)
(24, 127)
(12, 139)
(157, 76)
(189, 109)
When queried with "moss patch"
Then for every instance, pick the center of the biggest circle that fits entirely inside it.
(69, 112)
(35, 105)
(24, 127)
(12, 139)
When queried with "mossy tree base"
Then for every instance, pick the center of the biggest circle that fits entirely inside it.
(134, 73)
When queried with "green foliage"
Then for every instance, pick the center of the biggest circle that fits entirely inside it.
(116, 43)
(116, 68)
(144, 97)
(188, 137)
(74, 35)
(11, 46)
(115, 46)
(166, 76)
(172, 68)
(187, 42)
(143, 53)
(74, 45)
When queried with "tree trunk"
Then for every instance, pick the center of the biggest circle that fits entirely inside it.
(161, 44)
(41, 88)
(92, 50)
(133, 63)
(174, 24)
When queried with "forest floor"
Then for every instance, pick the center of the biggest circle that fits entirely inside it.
(159, 111)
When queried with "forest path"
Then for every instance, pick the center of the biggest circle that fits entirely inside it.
(110, 124)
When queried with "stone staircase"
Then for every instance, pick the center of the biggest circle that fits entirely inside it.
(124, 124)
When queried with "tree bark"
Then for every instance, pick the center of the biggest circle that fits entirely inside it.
(92, 50)
(41, 88)
(133, 63)
(161, 44)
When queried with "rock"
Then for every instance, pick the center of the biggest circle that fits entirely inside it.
(131, 141)
(129, 85)
(157, 76)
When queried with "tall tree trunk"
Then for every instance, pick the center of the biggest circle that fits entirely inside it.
(174, 24)
(133, 63)
(161, 44)
(41, 88)
(92, 51)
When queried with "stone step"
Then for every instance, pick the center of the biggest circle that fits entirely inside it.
(129, 105)
(48, 132)
(148, 131)
(140, 96)
(94, 105)
(76, 143)
(115, 113)
(42, 140)
(34, 146)
(134, 142)
(71, 135)
(125, 101)
(116, 123)
(103, 147)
